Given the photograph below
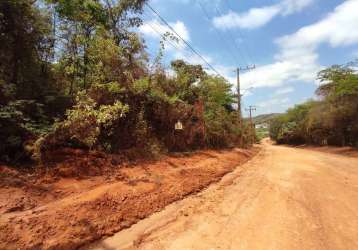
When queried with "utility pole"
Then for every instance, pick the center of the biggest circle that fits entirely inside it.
(251, 109)
(239, 95)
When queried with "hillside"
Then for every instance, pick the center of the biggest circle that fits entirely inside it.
(265, 118)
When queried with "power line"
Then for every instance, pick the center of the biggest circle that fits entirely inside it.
(233, 39)
(185, 52)
(186, 43)
(239, 95)
(240, 34)
(168, 40)
(217, 32)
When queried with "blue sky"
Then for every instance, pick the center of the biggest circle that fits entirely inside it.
(288, 40)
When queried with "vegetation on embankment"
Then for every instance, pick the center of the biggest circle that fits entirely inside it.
(76, 74)
(265, 118)
(330, 120)
(261, 133)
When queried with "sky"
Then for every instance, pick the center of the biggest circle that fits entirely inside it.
(289, 41)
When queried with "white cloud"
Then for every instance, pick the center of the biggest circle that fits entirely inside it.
(355, 54)
(254, 18)
(192, 58)
(257, 17)
(292, 6)
(247, 93)
(155, 29)
(274, 102)
(338, 28)
(281, 72)
(273, 105)
(297, 59)
(284, 91)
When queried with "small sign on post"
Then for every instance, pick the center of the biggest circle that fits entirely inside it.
(178, 125)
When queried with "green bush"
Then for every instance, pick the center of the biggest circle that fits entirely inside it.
(332, 120)
(85, 123)
(20, 122)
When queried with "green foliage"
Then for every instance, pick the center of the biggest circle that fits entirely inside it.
(221, 123)
(25, 50)
(86, 122)
(276, 128)
(332, 120)
(20, 122)
(292, 127)
(222, 128)
(262, 133)
(74, 74)
(84, 11)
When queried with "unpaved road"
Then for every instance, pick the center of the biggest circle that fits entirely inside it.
(287, 198)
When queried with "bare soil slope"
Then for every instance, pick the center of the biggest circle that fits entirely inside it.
(88, 195)
(289, 198)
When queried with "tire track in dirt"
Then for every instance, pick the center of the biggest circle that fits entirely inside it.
(287, 198)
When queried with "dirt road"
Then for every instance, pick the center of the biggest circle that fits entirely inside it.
(287, 198)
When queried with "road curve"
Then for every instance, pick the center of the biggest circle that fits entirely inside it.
(287, 198)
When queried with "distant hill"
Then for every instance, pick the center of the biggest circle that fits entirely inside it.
(266, 118)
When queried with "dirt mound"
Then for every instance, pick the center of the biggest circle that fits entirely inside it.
(79, 163)
(75, 211)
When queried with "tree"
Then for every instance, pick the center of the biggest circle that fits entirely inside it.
(221, 123)
(26, 50)
(340, 93)
(332, 120)
(74, 73)
(84, 25)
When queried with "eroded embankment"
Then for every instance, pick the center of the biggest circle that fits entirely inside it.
(64, 212)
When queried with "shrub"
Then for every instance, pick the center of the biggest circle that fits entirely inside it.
(85, 123)
(20, 121)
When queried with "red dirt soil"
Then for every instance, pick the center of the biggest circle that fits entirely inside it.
(346, 151)
(90, 195)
